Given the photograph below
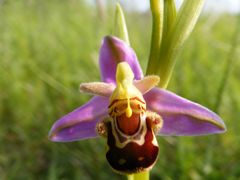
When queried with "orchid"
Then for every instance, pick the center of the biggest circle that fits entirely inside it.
(129, 111)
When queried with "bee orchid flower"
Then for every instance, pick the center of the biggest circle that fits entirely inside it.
(129, 111)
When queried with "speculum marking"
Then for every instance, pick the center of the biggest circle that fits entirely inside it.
(133, 157)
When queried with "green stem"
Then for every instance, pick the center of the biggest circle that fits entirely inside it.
(130, 177)
(180, 31)
(170, 15)
(157, 26)
(139, 176)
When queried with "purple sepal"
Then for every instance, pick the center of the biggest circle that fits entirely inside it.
(113, 51)
(80, 123)
(182, 117)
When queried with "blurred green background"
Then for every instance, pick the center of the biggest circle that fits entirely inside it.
(48, 48)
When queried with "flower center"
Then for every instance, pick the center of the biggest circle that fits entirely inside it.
(126, 103)
(128, 125)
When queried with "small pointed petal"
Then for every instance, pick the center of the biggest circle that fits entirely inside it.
(147, 83)
(80, 123)
(97, 88)
(113, 51)
(182, 117)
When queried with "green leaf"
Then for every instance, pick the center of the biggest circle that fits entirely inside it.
(170, 15)
(157, 30)
(120, 27)
(180, 31)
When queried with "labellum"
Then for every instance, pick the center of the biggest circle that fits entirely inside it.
(129, 129)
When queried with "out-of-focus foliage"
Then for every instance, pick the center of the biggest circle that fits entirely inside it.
(47, 48)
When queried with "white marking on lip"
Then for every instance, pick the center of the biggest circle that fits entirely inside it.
(133, 138)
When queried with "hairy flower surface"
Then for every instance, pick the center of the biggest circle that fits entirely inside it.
(129, 111)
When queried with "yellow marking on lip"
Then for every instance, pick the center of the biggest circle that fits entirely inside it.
(125, 88)
(128, 110)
